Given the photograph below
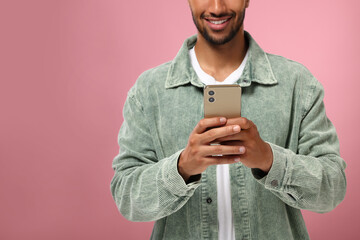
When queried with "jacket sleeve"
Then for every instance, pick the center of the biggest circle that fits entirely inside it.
(314, 177)
(144, 187)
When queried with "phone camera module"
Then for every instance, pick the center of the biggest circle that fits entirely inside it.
(211, 92)
(211, 99)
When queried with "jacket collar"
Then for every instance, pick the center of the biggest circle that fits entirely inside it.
(257, 68)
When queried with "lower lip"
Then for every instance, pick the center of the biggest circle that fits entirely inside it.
(218, 27)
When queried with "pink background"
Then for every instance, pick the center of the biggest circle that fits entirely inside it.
(65, 69)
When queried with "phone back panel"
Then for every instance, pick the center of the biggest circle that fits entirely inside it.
(222, 101)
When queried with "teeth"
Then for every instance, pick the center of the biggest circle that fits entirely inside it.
(218, 22)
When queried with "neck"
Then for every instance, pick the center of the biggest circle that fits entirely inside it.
(220, 61)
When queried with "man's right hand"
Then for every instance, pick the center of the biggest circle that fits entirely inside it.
(198, 154)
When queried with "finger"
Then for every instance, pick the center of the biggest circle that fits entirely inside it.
(222, 150)
(222, 160)
(241, 136)
(205, 123)
(220, 132)
(245, 123)
(233, 121)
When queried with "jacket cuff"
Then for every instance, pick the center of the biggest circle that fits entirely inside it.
(276, 178)
(172, 179)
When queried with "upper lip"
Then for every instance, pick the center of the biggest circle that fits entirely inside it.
(217, 18)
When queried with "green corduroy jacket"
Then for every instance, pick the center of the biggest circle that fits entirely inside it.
(282, 98)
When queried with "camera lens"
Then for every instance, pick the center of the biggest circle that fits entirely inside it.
(211, 99)
(211, 92)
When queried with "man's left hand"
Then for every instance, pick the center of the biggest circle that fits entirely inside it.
(257, 153)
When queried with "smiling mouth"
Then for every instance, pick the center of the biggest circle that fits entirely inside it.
(218, 21)
(218, 24)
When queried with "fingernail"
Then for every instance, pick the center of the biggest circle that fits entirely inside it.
(222, 120)
(237, 159)
(236, 128)
(242, 149)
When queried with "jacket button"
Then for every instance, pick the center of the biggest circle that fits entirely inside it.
(209, 200)
(274, 183)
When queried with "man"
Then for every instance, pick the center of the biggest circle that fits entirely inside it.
(281, 156)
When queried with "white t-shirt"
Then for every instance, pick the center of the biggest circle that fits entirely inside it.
(225, 219)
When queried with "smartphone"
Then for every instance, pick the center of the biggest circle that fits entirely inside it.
(223, 100)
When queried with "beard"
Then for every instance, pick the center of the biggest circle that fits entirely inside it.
(220, 41)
